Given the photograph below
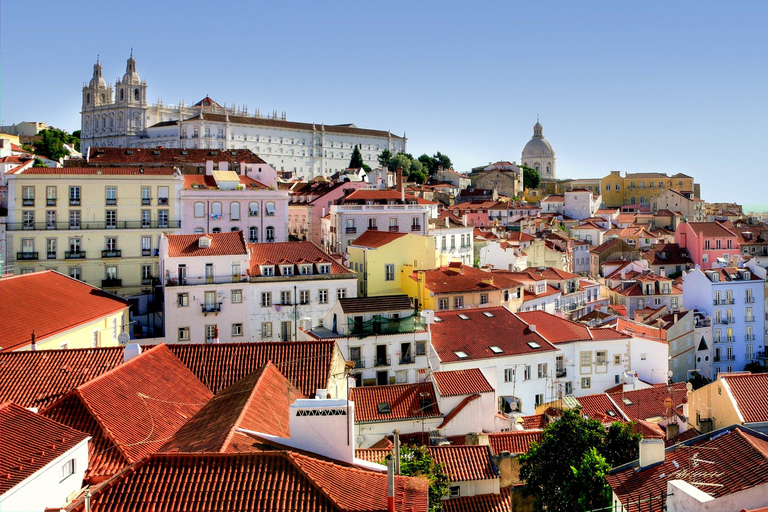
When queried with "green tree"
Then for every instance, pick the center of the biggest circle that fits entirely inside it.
(697, 380)
(621, 444)
(356, 162)
(384, 158)
(428, 164)
(50, 143)
(416, 172)
(398, 161)
(443, 161)
(546, 468)
(755, 367)
(38, 163)
(75, 139)
(588, 488)
(531, 178)
(418, 462)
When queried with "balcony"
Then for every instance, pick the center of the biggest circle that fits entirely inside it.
(373, 228)
(111, 253)
(394, 229)
(51, 201)
(730, 339)
(211, 308)
(382, 325)
(146, 252)
(359, 363)
(382, 361)
(146, 201)
(74, 255)
(162, 201)
(51, 255)
(147, 280)
(415, 227)
(407, 359)
(27, 202)
(560, 372)
(111, 283)
(92, 225)
(74, 202)
(111, 201)
(26, 256)
(749, 337)
(253, 240)
(749, 319)
(203, 280)
(351, 231)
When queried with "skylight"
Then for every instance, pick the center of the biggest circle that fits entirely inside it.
(488, 314)
(384, 408)
(438, 319)
(464, 317)
(496, 350)
(610, 413)
(627, 401)
(461, 354)
(533, 344)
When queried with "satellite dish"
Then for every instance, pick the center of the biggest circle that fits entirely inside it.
(123, 338)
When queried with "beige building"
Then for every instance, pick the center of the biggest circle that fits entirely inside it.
(686, 203)
(642, 188)
(98, 225)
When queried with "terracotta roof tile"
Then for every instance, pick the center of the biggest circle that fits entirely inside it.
(38, 378)
(643, 404)
(258, 402)
(405, 401)
(480, 503)
(136, 407)
(465, 463)
(461, 382)
(599, 406)
(375, 304)
(375, 239)
(375, 455)
(291, 252)
(475, 335)
(749, 392)
(711, 230)
(197, 181)
(514, 442)
(463, 278)
(42, 302)
(306, 364)
(104, 171)
(253, 482)
(30, 442)
(536, 421)
(221, 244)
(169, 156)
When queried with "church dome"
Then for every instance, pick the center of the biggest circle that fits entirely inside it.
(538, 146)
(130, 76)
(98, 80)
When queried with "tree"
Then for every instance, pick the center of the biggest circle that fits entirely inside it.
(416, 172)
(443, 161)
(356, 162)
(76, 137)
(697, 380)
(50, 143)
(428, 164)
(531, 178)
(755, 367)
(39, 163)
(621, 444)
(400, 160)
(384, 158)
(588, 488)
(418, 462)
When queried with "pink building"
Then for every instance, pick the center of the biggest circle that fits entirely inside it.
(708, 242)
(310, 202)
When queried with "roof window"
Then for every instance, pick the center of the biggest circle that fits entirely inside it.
(496, 350)
(627, 401)
(438, 319)
(488, 314)
(384, 408)
(461, 354)
(464, 317)
(533, 344)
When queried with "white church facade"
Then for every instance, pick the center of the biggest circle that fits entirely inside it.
(120, 116)
(538, 154)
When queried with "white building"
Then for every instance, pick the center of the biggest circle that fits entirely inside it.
(447, 231)
(122, 117)
(538, 154)
(734, 300)
(581, 203)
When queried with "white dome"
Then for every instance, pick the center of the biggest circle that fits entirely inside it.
(538, 148)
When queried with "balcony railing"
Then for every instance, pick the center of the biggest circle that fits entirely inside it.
(211, 308)
(51, 201)
(351, 231)
(373, 228)
(749, 319)
(74, 202)
(74, 255)
(193, 281)
(749, 300)
(560, 372)
(408, 359)
(111, 283)
(383, 325)
(111, 253)
(146, 201)
(162, 201)
(359, 363)
(111, 201)
(382, 361)
(89, 225)
(147, 280)
(27, 202)
(415, 227)
(749, 337)
(28, 256)
(146, 252)
(730, 339)
(394, 229)
(51, 255)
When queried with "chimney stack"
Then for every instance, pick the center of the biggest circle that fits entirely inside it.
(652, 452)
(391, 485)
(400, 184)
(33, 346)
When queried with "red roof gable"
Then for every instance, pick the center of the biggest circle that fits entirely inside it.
(465, 463)
(195, 181)
(749, 392)
(514, 442)
(38, 378)
(222, 244)
(536, 421)
(306, 364)
(42, 302)
(405, 401)
(599, 407)
(291, 253)
(253, 482)
(29, 443)
(258, 402)
(643, 404)
(375, 239)
(133, 409)
(461, 382)
(480, 503)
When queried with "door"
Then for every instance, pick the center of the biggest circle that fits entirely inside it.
(382, 378)
(285, 331)
(182, 274)
(405, 353)
(381, 355)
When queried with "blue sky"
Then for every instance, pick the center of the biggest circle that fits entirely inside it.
(630, 86)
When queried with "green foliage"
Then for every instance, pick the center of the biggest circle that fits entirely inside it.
(621, 445)
(697, 380)
(755, 367)
(531, 178)
(417, 461)
(38, 163)
(356, 162)
(588, 486)
(76, 135)
(400, 160)
(384, 158)
(442, 161)
(416, 173)
(50, 143)
(428, 163)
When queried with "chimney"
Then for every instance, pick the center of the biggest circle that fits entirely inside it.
(307, 417)
(673, 430)
(130, 351)
(391, 484)
(33, 345)
(475, 439)
(509, 469)
(651, 452)
(400, 185)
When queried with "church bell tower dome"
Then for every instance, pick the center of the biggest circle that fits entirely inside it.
(131, 76)
(538, 153)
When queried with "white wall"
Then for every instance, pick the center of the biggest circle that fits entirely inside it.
(684, 497)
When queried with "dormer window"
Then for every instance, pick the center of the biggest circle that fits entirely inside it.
(324, 268)
(305, 270)
(286, 270)
(203, 242)
(268, 270)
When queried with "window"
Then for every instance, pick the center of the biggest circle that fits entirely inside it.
(50, 196)
(266, 299)
(527, 372)
(111, 193)
(210, 333)
(253, 234)
(28, 196)
(539, 399)
(146, 196)
(50, 248)
(389, 269)
(199, 209)
(442, 304)
(270, 209)
(146, 273)
(145, 218)
(458, 302)
(586, 383)
(74, 246)
(162, 218)
(74, 196)
(266, 329)
(216, 210)
(421, 348)
(323, 296)
(182, 300)
(234, 211)
(483, 298)
(542, 370)
(183, 333)
(237, 329)
(269, 234)
(601, 357)
(75, 273)
(509, 374)
(324, 268)
(253, 209)
(303, 296)
(68, 469)
(455, 491)
(585, 358)
(285, 298)
(268, 270)
(162, 195)
(28, 220)
(617, 359)
(569, 388)
(341, 293)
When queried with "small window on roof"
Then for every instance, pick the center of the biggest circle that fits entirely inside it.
(488, 314)
(496, 350)
(384, 408)
(627, 401)
(533, 344)
(461, 354)
(438, 319)
(464, 317)
(610, 413)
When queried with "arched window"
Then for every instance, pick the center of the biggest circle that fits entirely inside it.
(103, 98)
(536, 167)
(199, 231)
(269, 234)
(642, 199)
(103, 122)
(216, 210)
(270, 209)
(122, 94)
(234, 211)
(200, 209)
(253, 234)
(547, 168)
(632, 200)
(216, 230)
(88, 99)
(136, 94)
(253, 209)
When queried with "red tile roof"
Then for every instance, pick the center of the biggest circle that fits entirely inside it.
(536, 421)
(465, 463)
(461, 382)
(649, 402)
(38, 378)
(306, 364)
(600, 407)
(92, 171)
(376, 304)
(711, 230)
(42, 302)
(749, 392)
(169, 156)
(375, 239)
(375, 455)
(405, 401)
(222, 244)
(291, 253)
(253, 482)
(132, 410)
(29, 443)
(197, 181)
(258, 402)
(480, 503)
(514, 442)
(478, 333)
(463, 278)
(739, 460)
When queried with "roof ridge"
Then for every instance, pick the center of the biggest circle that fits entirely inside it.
(152, 348)
(233, 429)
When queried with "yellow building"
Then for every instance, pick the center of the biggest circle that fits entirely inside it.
(48, 310)
(380, 256)
(101, 226)
(641, 188)
(732, 399)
